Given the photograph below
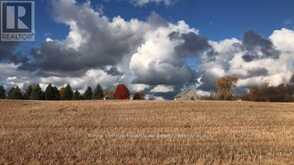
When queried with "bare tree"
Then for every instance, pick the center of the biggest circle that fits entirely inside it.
(225, 86)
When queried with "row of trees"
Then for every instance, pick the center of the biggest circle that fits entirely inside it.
(224, 91)
(281, 93)
(34, 92)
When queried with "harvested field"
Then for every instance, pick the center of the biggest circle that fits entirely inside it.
(115, 132)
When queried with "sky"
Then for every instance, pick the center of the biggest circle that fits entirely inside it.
(159, 46)
(215, 19)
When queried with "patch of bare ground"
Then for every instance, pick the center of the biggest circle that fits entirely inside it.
(122, 132)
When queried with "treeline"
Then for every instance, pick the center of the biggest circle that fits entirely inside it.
(281, 93)
(35, 92)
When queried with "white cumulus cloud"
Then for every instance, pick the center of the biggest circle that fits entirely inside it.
(145, 2)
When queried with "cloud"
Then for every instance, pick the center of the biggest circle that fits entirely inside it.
(139, 87)
(11, 75)
(255, 60)
(283, 39)
(163, 89)
(258, 47)
(91, 78)
(161, 58)
(192, 42)
(8, 53)
(145, 2)
(93, 39)
(142, 52)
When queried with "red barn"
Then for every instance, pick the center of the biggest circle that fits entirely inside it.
(121, 92)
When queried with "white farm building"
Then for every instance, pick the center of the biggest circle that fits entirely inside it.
(188, 94)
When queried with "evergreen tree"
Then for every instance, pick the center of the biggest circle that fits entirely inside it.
(28, 92)
(56, 93)
(15, 93)
(98, 93)
(2, 92)
(68, 93)
(37, 93)
(77, 95)
(88, 95)
(50, 93)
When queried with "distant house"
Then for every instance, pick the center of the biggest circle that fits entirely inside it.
(188, 94)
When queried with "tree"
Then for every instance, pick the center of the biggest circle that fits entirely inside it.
(51, 93)
(15, 93)
(28, 92)
(61, 93)
(88, 95)
(77, 95)
(291, 82)
(37, 93)
(224, 87)
(56, 93)
(98, 93)
(121, 92)
(2, 92)
(139, 96)
(68, 93)
(283, 93)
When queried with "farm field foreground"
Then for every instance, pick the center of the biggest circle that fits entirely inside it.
(122, 132)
